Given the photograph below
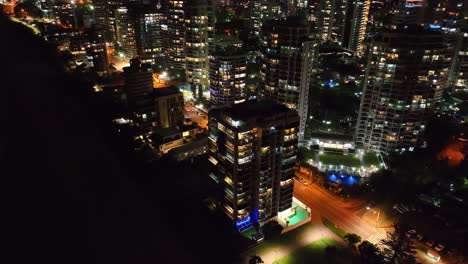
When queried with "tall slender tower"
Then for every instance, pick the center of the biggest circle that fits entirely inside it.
(148, 34)
(125, 31)
(97, 50)
(331, 19)
(286, 64)
(139, 90)
(104, 16)
(456, 21)
(174, 34)
(197, 45)
(359, 25)
(407, 73)
(253, 148)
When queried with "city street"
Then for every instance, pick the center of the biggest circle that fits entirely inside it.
(196, 115)
(331, 207)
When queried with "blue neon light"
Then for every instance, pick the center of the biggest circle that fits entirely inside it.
(435, 26)
(330, 84)
(346, 179)
(254, 215)
(243, 221)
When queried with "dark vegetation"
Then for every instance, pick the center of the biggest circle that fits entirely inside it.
(73, 190)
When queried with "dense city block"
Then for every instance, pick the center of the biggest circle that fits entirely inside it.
(235, 131)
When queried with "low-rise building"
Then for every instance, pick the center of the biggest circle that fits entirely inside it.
(169, 103)
(190, 150)
(166, 139)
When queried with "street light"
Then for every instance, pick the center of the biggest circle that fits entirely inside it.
(378, 215)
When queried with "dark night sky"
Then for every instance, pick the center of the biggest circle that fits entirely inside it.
(67, 197)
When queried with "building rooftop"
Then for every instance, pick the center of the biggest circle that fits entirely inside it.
(171, 90)
(257, 108)
(190, 146)
(137, 66)
(188, 127)
(411, 31)
(329, 136)
(165, 132)
(229, 51)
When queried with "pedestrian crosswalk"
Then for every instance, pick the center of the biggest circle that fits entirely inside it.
(376, 238)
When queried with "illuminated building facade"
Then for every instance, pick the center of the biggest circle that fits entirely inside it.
(331, 19)
(408, 12)
(460, 72)
(97, 51)
(104, 16)
(197, 29)
(262, 11)
(125, 31)
(169, 106)
(228, 70)
(253, 148)
(139, 91)
(286, 64)
(64, 15)
(294, 7)
(456, 22)
(359, 26)
(174, 34)
(407, 73)
(148, 35)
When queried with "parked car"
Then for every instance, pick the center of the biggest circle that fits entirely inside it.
(430, 243)
(303, 181)
(433, 254)
(439, 247)
(398, 209)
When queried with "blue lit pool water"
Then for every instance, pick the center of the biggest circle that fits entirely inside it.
(346, 179)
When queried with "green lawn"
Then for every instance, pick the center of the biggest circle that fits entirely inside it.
(371, 159)
(306, 153)
(249, 232)
(330, 225)
(284, 240)
(315, 253)
(337, 159)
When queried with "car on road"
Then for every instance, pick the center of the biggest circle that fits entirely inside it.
(439, 247)
(398, 209)
(301, 180)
